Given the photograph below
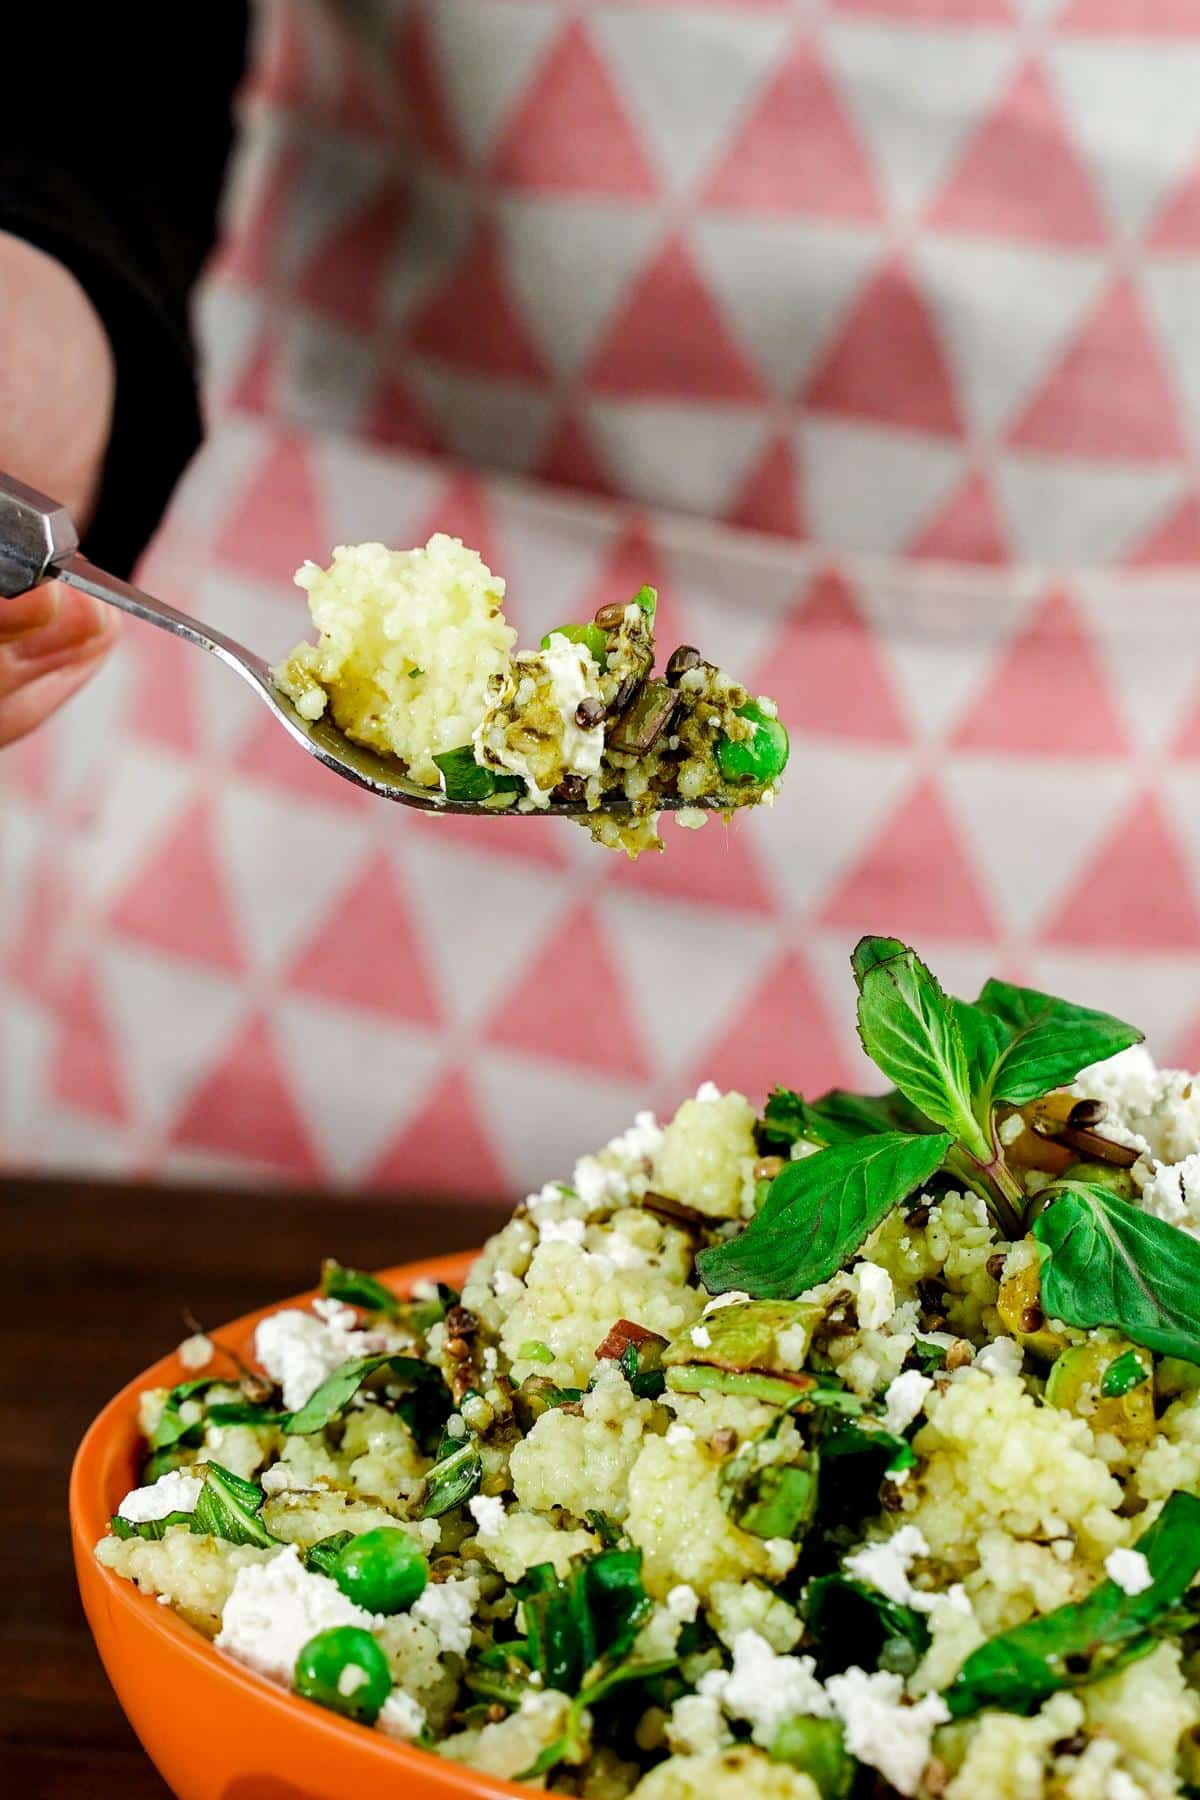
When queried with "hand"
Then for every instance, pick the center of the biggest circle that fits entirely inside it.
(56, 397)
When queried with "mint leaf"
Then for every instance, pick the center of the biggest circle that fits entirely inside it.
(1041, 1043)
(335, 1393)
(852, 1623)
(355, 1288)
(228, 1508)
(1112, 1264)
(150, 1529)
(837, 1117)
(452, 1480)
(818, 1212)
(910, 1030)
(1021, 1668)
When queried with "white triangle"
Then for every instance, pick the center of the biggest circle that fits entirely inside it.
(1146, 990)
(688, 77)
(270, 618)
(543, 1117)
(915, 92)
(358, 1090)
(26, 1039)
(474, 942)
(213, 484)
(171, 1023)
(144, 793)
(827, 811)
(939, 631)
(685, 966)
(486, 53)
(1064, 512)
(1181, 791)
(784, 284)
(229, 324)
(327, 374)
(735, 592)
(71, 1143)
(437, 230)
(484, 419)
(221, 1169)
(1172, 288)
(1143, 627)
(372, 496)
(337, 177)
(1132, 109)
(83, 730)
(905, 474)
(682, 454)
(1005, 314)
(554, 548)
(285, 865)
(1064, 813)
(568, 265)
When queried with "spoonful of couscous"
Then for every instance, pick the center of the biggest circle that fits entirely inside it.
(416, 691)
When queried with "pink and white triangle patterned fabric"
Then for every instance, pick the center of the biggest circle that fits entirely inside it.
(864, 333)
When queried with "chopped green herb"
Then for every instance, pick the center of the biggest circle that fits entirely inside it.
(430, 1393)
(355, 1288)
(229, 1508)
(452, 1480)
(465, 779)
(1123, 1375)
(852, 1624)
(593, 637)
(533, 1350)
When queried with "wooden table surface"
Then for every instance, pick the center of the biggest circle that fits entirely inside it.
(95, 1280)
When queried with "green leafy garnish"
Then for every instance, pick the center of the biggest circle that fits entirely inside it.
(1110, 1263)
(818, 1213)
(172, 1428)
(321, 1557)
(592, 636)
(769, 1500)
(852, 1623)
(1041, 1043)
(910, 1030)
(354, 1288)
(837, 1117)
(335, 1393)
(647, 598)
(228, 1508)
(1123, 1375)
(151, 1529)
(452, 1480)
(465, 779)
(1086, 1639)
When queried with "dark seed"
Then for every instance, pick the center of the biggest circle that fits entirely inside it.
(768, 1167)
(496, 1712)
(589, 713)
(724, 1440)
(644, 720)
(890, 1497)
(1097, 1148)
(681, 661)
(995, 1265)
(1032, 1319)
(931, 1294)
(457, 1349)
(1077, 1664)
(1085, 1113)
(461, 1321)
(665, 1206)
(571, 789)
(610, 616)
(918, 1218)
(935, 1321)
(1070, 1746)
(959, 1355)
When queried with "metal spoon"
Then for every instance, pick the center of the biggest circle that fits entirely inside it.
(38, 542)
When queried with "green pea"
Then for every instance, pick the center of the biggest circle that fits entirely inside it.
(592, 636)
(383, 1570)
(759, 758)
(345, 1670)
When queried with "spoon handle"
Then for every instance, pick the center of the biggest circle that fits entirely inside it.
(35, 533)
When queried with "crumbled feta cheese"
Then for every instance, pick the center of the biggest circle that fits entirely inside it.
(692, 818)
(1003, 1356)
(561, 1231)
(886, 1566)
(904, 1399)
(735, 1297)
(488, 1512)
(574, 677)
(701, 1336)
(335, 1313)
(448, 1607)
(781, 1556)
(679, 1434)
(1130, 1570)
(708, 1092)
(1012, 1128)
(300, 1350)
(279, 1478)
(402, 1716)
(763, 1688)
(196, 1352)
(456, 1426)
(880, 1731)
(876, 1296)
(506, 1286)
(176, 1491)
(696, 1727)
(1173, 1192)
(275, 1607)
(683, 1603)
(425, 1290)
(1123, 1787)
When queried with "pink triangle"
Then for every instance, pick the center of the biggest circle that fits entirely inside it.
(569, 1005)
(347, 274)
(244, 1108)
(914, 879)
(1135, 894)
(670, 339)
(1174, 541)
(1187, 744)
(968, 529)
(177, 899)
(769, 499)
(1178, 225)
(365, 952)
(362, 101)
(396, 420)
(461, 509)
(1047, 694)
(256, 387)
(163, 709)
(281, 73)
(570, 133)
(1020, 175)
(572, 459)
(797, 152)
(1109, 396)
(445, 1149)
(429, 126)
(269, 755)
(886, 364)
(30, 958)
(471, 321)
(1131, 18)
(781, 1035)
(29, 765)
(527, 839)
(931, 12)
(279, 520)
(85, 1066)
(715, 866)
(247, 255)
(825, 671)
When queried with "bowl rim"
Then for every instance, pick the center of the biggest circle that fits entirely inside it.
(89, 1517)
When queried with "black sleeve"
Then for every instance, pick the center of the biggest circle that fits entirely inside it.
(114, 133)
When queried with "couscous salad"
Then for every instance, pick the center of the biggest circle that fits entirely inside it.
(846, 1449)
(415, 659)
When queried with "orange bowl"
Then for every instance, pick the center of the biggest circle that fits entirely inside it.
(213, 1729)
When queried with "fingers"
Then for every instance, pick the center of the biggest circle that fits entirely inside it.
(28, 612)
(50, 660)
